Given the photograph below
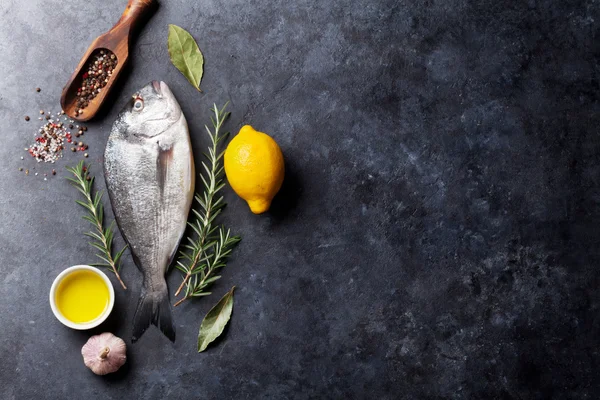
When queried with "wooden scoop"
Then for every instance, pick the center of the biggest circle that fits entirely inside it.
(116, 40)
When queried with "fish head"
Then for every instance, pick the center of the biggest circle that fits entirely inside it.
(151, 111)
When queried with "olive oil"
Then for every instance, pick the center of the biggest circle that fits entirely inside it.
(82, 296)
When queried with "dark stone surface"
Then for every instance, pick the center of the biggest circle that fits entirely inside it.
(437, 235)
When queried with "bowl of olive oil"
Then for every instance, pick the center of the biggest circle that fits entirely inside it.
(82, 297)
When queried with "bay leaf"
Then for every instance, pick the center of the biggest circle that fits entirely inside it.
(185, 54)
(215, 321)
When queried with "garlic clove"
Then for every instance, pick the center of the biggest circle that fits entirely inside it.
(104, 353)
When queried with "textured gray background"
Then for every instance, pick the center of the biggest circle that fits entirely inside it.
(437, 235)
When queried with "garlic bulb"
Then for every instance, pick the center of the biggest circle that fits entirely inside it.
(104, 353)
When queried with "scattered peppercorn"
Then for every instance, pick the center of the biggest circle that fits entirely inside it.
(48, 144)
(88, 178)
(85, 155)
(52, 137)
(37, 89)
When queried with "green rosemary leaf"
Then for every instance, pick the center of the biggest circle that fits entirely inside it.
(219, 186)
(89, 219)
(100, 214)
(211, 280)
(205, 184)
(93, 235)
(215, 215)
(98, 246)
(198, 215)
(200, 294)
(208, 171)
(117, 256)
(99, 265)
(180, 266)
(97, 199)
(103, 258)
(219, 202)
(85, 205)
(196, 229)
(201, 269)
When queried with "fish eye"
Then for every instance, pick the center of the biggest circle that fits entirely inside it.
(138, 104)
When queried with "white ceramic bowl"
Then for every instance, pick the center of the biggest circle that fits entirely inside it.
(91, 324)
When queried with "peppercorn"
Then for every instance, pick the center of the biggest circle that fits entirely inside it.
(80, 144)
(73, 149)
(53, 172)
(70, 126)
(84, 128)
(37, 89)
(27, 118)
(41, 111)
(95, 77)
(85, 155)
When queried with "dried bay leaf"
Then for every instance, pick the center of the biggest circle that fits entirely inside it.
(185, 54)
(215, 321)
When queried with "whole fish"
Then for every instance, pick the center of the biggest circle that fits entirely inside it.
(149, 172)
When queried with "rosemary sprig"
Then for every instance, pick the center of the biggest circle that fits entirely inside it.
(103, 238)
(212, 244)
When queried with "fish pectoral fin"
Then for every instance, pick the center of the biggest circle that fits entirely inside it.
(163, 161)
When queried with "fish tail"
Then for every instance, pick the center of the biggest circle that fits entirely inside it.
(153, 308)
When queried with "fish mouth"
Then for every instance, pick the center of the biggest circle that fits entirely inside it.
(156, 85)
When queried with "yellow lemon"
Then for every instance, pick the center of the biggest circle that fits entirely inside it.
(254, 168)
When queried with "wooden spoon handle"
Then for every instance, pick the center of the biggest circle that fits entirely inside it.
(135, 12)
